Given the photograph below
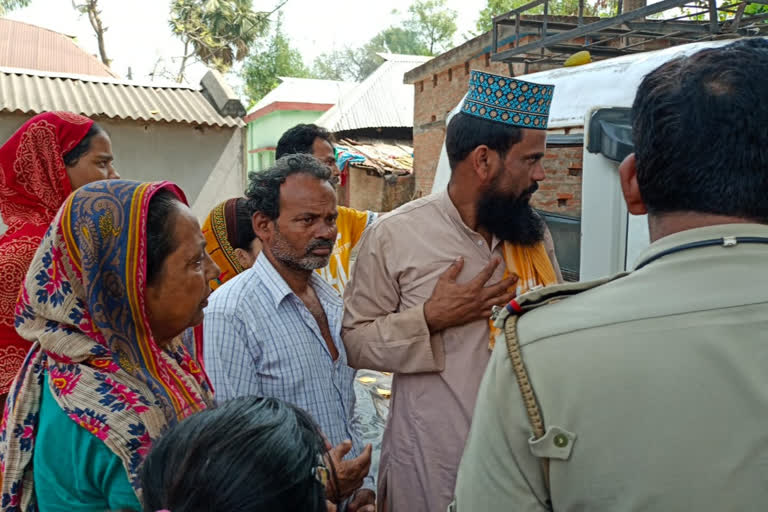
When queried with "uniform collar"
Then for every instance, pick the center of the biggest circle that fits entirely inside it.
(700, 234)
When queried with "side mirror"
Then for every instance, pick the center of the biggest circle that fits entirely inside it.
(610, 133)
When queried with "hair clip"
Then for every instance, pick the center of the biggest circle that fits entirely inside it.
(320, 472)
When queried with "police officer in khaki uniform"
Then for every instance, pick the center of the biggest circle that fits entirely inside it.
(650, 391)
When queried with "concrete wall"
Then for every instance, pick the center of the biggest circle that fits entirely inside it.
(370, 191)
(366, 189)
(206, 162)
(265, 131)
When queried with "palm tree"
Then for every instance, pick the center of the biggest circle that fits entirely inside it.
(218, 32)
(7, 6)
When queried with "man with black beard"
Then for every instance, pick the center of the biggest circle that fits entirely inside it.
(275, 329)
(428, 274)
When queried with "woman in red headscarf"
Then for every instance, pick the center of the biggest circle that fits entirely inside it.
(51, 155)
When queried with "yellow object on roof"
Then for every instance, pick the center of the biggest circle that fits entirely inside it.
(578, 59)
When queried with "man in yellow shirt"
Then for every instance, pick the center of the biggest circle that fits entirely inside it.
(351, 223)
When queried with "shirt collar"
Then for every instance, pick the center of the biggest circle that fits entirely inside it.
(276, 285)
(700, 234)
(279, 289)
(453, 213)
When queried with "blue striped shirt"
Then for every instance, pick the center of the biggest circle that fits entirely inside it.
(260, 339)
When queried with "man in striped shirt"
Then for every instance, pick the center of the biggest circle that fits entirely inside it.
(274, 330)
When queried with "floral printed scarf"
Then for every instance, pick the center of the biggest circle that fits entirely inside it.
(83, 307)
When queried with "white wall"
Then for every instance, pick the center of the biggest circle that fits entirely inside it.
(207, 163)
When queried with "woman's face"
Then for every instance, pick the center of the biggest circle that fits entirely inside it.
(95, 164)
(176, 299)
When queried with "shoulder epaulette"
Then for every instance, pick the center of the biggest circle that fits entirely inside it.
(505, 319)
(545, 295)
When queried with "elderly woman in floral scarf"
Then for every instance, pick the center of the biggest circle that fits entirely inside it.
(109, 299)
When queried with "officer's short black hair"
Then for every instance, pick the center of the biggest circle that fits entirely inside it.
(700, 128)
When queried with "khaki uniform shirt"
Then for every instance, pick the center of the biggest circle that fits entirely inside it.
(436, 377)
(655, 386)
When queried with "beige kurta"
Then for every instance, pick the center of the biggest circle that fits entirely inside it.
(436, 377)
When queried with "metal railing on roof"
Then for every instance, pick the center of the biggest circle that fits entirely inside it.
(676, 21)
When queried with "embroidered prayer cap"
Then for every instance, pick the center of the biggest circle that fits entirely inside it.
(508, 100)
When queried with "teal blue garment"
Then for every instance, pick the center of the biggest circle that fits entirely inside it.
(74, 471)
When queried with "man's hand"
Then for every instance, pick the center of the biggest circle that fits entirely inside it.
(350, 473)
(453, 304)
(365, 501)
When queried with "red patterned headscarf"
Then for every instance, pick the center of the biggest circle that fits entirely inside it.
(33, 185)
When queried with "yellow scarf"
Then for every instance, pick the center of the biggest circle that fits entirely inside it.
(533, 268)
(218, 230)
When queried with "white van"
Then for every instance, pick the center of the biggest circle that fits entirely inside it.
(591, 108)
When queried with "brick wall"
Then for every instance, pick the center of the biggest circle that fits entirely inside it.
(427, 143)
(561, 191)
(370, 191)
(398, 190)
(365, 189)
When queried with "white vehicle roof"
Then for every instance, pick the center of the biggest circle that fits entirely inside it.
(610, 82)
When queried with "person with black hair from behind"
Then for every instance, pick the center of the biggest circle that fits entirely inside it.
(271, 462)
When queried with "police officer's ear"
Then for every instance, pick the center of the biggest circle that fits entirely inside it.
(629, 186)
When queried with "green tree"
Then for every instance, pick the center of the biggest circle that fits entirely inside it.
(336, 65)
(434, 23)
(269, 60)
(9, 5)
(429, 28)
(756, 9)
(556, 7)
(217, 32)
(356, 64)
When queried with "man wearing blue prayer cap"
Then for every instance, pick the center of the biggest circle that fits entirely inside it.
(428, 274)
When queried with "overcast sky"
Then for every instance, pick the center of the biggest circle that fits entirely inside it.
(139, 36)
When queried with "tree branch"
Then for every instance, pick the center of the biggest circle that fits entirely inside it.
(273, 11)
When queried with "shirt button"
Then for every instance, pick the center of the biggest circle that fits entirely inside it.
(479, 242)
(561, 440)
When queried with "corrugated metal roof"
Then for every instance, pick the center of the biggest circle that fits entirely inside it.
(380, 101)
(32, 92)
(31, 47)
(385, 156)
(305, 90)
